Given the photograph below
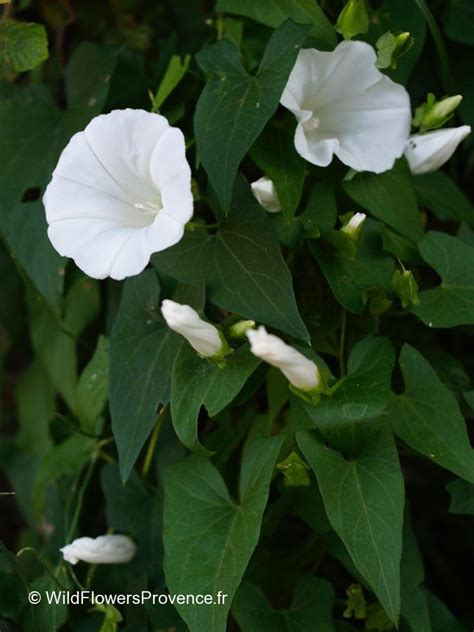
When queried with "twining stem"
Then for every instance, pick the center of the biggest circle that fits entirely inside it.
(152, 443)
(80, 497)
(44, 563)
(342, 344)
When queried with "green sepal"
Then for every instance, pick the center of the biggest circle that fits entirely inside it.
(294, 470)
(353, 19)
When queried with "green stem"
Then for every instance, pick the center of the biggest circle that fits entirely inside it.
(197, 225)
(80, 497)
(342, 344)
(152, 443)
(44, 563)
(446, 76)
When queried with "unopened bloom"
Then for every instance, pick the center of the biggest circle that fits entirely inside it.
(202, 336)
(120, 192)
(354, 225)
(346, 107)
(105, 549)
(299, 370)
(428, 152)
(266, 195)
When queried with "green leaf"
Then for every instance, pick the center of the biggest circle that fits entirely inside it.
(274, 153)
(35, 400)
(175, 72)
(364, 500)
(442, 620)
(413, 595)
(92, 388)
(390, 197)
(44, 615)
(310, 609)
(208, 536)
(274, 12)
(459, 21)
(462, 497)
(360, 398)
(439, 193)
(235, 106)
(68, 457)
(351, 280)
(142, 351)
(320, 214)
(25, 232)
(198, 382)
(23, 45)
(427, 417)
(242, 264)
(452, 302)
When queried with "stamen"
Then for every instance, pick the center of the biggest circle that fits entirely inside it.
(312, 123)
(149, 208)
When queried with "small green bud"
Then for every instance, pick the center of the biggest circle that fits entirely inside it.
(346, 239)
(405, 287)
(434, 114)
(355, 603)
(377, 619)
(391, 47)
(240, 328)
(378, 302)
(353, 19)
(295, 471)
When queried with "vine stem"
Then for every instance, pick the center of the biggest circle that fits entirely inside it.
(342, 344)
(80, 497)
(152, 443)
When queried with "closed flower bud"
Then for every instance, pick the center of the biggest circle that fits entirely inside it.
(353, 19)
(428, 152)
(434, 114)
(106, 549)
(405, 287)
(184, 320)
(354, 225)
(391, 47)
(266, 195)
(299, 370)
(240, 328)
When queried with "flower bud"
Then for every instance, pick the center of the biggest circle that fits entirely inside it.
(354, 226)
(299, 370)
(266, 195)
(240, 328)
(434, 114)
(295, 471)
(353, 19)
(405, 287)
(391, 47)
(106, 549)
(428, 152)
(202, 336)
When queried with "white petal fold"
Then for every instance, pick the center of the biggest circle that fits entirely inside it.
(265, 193)
(429, 151)
(105, 549)
(298, 369)
(120, 192)
(201, 335)
(346, 107)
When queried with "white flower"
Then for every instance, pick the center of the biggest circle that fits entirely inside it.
(428, 152)
(106, 549)
(299, 370)
(266, 195)
(353, 226)
(345, 106)
(121, 191)
(183, 319)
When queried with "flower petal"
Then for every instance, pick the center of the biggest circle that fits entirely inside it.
(428, 152)
(346, 106)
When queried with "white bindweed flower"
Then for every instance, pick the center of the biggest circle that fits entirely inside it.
(354, 225)
(346, 107)
(183, 319)
(106, 549)
(429, 151)
(266, 195)
(120, 192)
(299, 370)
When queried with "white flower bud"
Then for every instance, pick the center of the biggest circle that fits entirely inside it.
(299, 371)
(428, 152)
(353, 226)
(106, 549)
(265, 194)
(183, 319)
